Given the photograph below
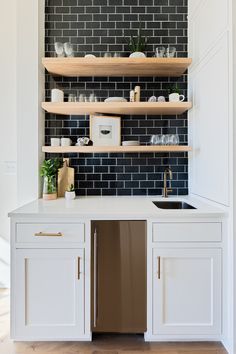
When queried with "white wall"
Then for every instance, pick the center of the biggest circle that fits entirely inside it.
(30, 88)
(210, 88)
(233, 216)
(8, 131)
(22, 120)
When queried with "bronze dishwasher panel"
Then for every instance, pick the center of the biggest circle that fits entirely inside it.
(119, 287)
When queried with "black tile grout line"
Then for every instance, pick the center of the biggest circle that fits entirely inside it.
(164, 21)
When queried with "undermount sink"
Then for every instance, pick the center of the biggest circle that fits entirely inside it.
(173, 205)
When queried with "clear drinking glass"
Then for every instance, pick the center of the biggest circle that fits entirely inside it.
(170, 52)
(117, 55)
(156, 139)
(107, 55)
(59, 49)
(92, 97)
(160, 52)
(162, 139)
(167, 139)
(175, 139)
(81, 97)
(153, 140)
(69, 50)
(71, 97)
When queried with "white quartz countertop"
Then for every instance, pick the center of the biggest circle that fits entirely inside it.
(117, 208)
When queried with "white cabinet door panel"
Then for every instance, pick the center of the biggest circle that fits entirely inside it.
(211, 146)
(204, 33)
(49, 293)
(187, 292)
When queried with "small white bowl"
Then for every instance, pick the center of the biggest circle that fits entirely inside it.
(115, 99)
(131, 143)
(90, 56)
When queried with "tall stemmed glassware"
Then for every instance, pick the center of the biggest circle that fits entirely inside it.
(59, 49)
(69, 50)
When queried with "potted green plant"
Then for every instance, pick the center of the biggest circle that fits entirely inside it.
(174, 94)
(70, 193)
(49, 171)
(137, 45)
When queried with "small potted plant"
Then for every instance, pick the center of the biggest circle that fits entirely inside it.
(137, 45)
(49, 171)
(70, 193)
(174, 94)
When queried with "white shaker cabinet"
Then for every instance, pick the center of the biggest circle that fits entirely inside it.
(186, 285)
(49, 294)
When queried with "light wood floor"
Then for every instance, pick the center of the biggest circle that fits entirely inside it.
(105, 344)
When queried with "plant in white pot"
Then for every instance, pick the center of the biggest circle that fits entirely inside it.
(48, 171)
(137, 45)
(70, 193)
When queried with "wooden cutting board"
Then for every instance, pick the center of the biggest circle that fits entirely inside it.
(66, 177)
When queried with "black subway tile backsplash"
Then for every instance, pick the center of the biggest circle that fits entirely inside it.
(96, 27)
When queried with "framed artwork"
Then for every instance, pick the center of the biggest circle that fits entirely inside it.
(105, 130)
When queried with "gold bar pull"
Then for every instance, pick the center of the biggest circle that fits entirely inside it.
(95, 275)
(47, 234)
(159, 267)
(78, 268)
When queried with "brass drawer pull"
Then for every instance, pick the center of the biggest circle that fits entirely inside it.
(78, 268)
(159, 267)
(46, 234)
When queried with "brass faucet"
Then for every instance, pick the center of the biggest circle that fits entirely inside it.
(165, 189)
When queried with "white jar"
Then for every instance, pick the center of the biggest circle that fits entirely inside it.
(66, 142)
(55, 141)
(57, 95)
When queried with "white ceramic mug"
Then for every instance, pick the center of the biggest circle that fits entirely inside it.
(55, 141)
(175, 97)
(57, 95)
(66, 142)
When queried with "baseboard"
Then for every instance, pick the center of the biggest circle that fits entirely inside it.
(182, 338)
(4, 264)
(228, 345)
(54, 339)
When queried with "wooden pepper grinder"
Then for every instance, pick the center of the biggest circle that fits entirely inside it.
(137, 93)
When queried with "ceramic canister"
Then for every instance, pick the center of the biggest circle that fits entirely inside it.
(66, 142)
(57, 95)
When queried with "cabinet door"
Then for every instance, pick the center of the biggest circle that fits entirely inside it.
(186, 291)
(49, 294)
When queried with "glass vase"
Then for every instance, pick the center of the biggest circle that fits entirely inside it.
(49, 188)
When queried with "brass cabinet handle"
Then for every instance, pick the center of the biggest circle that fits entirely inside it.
(159, 267)
(47, 234)
(78, 268)
(95, 270)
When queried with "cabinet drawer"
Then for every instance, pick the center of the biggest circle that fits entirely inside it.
(187, 232)
(50, 233)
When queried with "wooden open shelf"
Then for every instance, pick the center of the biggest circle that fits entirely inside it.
(114, 149)
(120, 108)
(161, 67)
